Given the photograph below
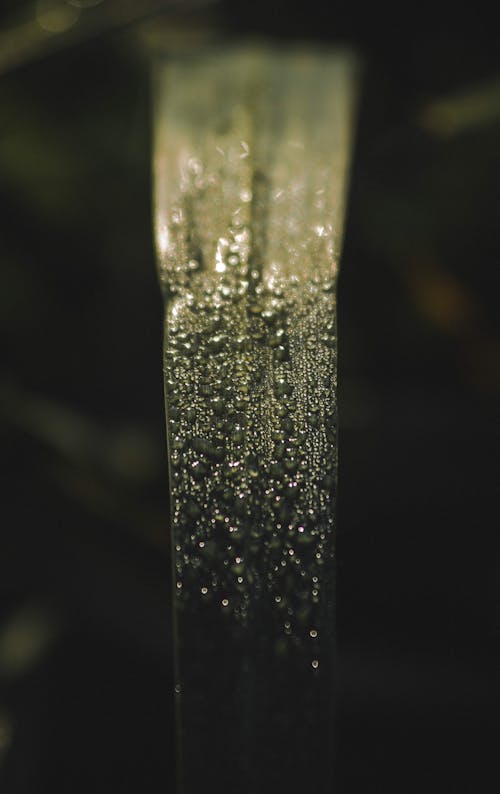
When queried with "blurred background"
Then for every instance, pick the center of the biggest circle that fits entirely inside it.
(85, 646)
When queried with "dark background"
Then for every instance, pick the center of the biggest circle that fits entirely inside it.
(85, 647)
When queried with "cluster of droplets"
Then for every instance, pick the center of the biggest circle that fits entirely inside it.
(250, 373)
